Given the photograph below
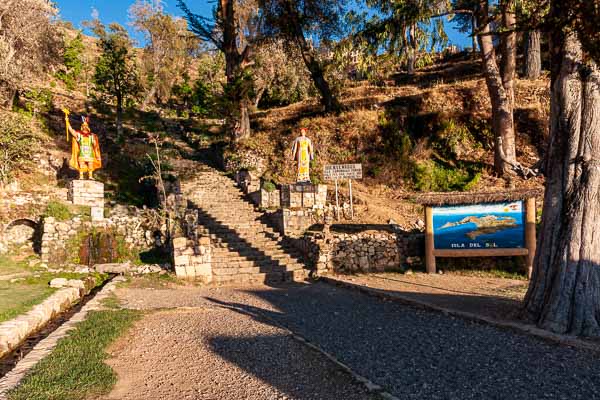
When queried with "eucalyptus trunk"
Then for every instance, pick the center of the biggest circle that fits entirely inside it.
(412, 50)
(533, 55)
(564, 294)
(328, 98)
(238, 116)
(119, 116)
(500, 84)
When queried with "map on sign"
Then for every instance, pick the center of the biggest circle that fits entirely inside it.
(480, 226)
(342, 171)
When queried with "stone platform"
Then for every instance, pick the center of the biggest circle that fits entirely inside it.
(303, 196)
(88, 193)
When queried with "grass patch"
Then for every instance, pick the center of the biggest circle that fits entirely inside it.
(10, 266)
(18, 298)
(505, 267)
(21, 296)
(75, 369)
(58, 211)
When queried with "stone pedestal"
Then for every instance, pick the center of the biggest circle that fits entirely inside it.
(303, 196)
(88, 193)
(192, 260)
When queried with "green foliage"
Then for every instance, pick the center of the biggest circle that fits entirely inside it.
(72, 61)
(18, 143)
(269, 186)
(37, 101)
(76, 369)
(116, 73)
(58, 211)
(396, 141)
(430, 176)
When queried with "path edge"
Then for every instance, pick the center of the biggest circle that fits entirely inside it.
(527, 329)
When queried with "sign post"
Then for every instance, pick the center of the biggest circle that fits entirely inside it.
(505, 228)
(337, 202)
(343, 171)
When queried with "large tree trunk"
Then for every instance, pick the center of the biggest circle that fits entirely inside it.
(474, 34)
(119, 117)
(533, 55)
(149, 97)
(238, 118)
(313, 65)
(411, 50)
(500, 83)
(564, 294)
(328, 98)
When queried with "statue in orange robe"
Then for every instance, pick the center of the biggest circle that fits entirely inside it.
(85, 148)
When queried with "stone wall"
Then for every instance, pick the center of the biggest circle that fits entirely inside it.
(192, 253)
(303, 196)
(192, 258)
(362, 251)
(129, 222)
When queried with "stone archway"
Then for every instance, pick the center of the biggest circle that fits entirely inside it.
(22, 231)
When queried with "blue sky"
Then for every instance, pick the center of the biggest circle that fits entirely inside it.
(109, 11)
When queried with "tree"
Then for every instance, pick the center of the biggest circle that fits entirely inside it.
(168, 50)
(30, 44)
(232, 30)
(279, 74)
(564, 293)
(406, 27)
(73, 62)
(300, 22)
(500, 76)
(116, 75)
(533, 54)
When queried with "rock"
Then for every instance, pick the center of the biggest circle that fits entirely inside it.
(114, 268)
(76, 283)
(58, 283)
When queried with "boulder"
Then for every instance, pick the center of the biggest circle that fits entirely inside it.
(58, 283)
(113, 268)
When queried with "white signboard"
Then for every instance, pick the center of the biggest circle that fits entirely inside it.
(342, 171)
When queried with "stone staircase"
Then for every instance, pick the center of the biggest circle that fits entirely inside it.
(243, 248)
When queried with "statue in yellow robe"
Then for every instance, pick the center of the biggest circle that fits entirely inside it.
(303, 153)
(85, 148)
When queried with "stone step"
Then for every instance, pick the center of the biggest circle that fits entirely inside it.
(230, 269)
(260, 278)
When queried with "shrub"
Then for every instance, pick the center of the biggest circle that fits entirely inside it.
(58, 211)
(18, 143)
(269, 186)
(431, 176)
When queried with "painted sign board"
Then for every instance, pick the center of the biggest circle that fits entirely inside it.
(479, 226)
(342, 171)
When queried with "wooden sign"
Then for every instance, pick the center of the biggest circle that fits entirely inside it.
(481, 230)
(342, 171)
(479, 226)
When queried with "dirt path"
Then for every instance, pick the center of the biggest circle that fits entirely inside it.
(498, 298)
(217, 353)
(226, 345)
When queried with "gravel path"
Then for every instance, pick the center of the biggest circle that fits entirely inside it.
(414, 354)
(497, 298)
(215, 353)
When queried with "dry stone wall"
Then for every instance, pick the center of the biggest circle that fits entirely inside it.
(129, 223)
(364, 251)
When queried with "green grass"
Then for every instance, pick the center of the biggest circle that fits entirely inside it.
(8, 266)
(75, 369)
(18, 298)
